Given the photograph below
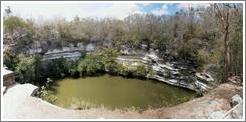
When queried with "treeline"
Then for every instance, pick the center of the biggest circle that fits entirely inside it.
(211, 36)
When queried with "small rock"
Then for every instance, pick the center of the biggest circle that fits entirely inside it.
(204, 77)
(236, 99)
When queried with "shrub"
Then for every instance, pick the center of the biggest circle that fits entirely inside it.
(91, 64)
(151, 73)
(10, 60)
(72, 69)
(28, 69)
(122, 70)
(108, 57)
(13, 23)
(58, 68)
(47, 95)
(140, 71)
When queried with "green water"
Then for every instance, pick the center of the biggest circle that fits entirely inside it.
(117, 92)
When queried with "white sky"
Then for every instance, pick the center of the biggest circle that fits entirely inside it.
(50, 10)
(70, 10)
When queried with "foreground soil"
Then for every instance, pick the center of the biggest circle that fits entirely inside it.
(19, 104)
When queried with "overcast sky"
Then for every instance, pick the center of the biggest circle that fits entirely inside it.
(50, 10)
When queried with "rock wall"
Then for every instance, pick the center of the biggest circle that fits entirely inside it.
(173, 73)
(170, 72)
(70, 52)
(8, 77)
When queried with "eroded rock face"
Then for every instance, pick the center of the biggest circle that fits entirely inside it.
(69, 52)
(169, 72)
(174, 73)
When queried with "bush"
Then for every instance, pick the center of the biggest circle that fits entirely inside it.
(10, 60)
(28, 69)
(13, 23)
(122, 70)
(108, 57)
(140, 71)
(151, 73)
(47, 95)
(58, 68)
(188, 52)
(72, 69)
(90, 65)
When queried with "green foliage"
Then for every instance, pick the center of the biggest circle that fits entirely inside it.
(188, 50)
(10, 60)
(47, 95)
(27, 69)
(13, 23)
(122, 70)
(161, 43)
(108, 57)
(151, 73)
(59, 68)
(90, 65)
(203, 58)
(72, 69)
(236, 43)
(140, 71)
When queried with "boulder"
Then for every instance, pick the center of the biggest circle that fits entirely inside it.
(204, 77)
(236, 99)
(237, 107)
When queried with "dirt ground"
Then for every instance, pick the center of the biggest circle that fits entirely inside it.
(216, 100)
(17, 105)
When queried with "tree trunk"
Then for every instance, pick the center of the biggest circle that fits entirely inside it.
(226, 50)
(226, 54)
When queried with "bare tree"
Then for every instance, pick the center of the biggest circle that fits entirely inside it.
(222, 11)
(8, 10)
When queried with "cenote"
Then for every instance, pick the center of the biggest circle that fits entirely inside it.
(116, 92)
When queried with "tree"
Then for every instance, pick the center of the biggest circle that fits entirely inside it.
(28, 69)
(58, 68)
(223, 14)
(72, 68)
(90, 65)
(236, 41)
(13, 23)
(8, 10)
(10, 59)
(108, 57)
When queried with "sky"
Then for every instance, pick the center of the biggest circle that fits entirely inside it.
(50, 10)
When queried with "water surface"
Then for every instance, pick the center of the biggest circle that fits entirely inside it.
(117, 92)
